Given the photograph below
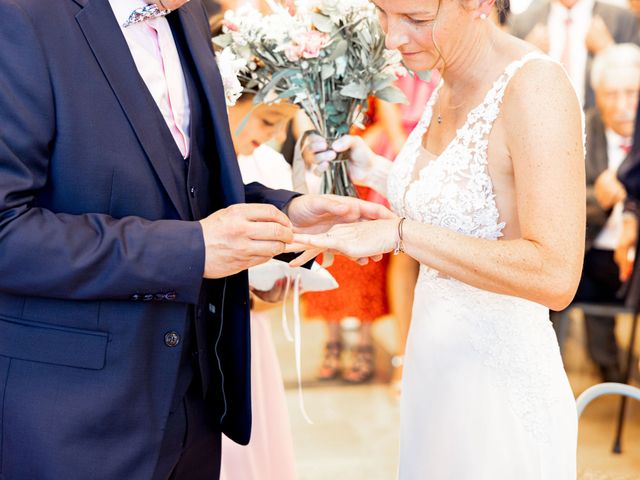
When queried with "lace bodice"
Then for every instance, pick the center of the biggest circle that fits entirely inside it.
(454, 190)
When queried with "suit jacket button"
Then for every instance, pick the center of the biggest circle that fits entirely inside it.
(171, 339)
(192, 191)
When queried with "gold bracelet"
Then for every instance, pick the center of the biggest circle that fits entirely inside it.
(400, 243)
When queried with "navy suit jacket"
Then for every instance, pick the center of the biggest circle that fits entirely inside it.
(99, 256)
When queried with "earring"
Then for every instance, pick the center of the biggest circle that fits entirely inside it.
(483, 16)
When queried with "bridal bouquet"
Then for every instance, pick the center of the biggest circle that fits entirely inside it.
(328, 58)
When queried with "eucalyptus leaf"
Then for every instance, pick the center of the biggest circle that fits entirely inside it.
(383, 80)
(327, 71)
(223, 40)
(340, 47)
(322, 22)
(355, 90)
(281, 75)
(391, 94)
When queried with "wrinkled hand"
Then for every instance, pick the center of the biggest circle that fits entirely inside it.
(242, 236)
(361, 240)
(167, 4)
(276, 294)
(598, 36)
(361, 162)
(624, 255)
(539, 36)
(608, 189)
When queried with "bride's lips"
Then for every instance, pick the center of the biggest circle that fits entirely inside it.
(410, 54)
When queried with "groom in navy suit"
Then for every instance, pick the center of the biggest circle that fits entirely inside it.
(125, 235)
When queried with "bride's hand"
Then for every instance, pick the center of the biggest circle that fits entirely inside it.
(361, 241)
(362, 159)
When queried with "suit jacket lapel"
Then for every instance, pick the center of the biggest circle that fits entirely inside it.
(201, 51)
(112, 53)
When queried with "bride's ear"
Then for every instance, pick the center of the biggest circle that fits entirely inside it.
(483, 8)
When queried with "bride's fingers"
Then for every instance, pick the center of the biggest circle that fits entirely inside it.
(305, 257)
(324, 241)
(377, 258)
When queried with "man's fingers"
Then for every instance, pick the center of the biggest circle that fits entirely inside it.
(264, 248)
(265, 213)
(374, 211)
(269, 231)
(295, 247)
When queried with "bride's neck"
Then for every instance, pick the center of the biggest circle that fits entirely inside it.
(469, 67)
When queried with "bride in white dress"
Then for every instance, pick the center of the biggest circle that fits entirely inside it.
(491, 188)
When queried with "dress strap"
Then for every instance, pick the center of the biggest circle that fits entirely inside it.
(496, 94)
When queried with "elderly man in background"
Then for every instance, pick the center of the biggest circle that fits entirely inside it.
(573, 32)
(615, 79)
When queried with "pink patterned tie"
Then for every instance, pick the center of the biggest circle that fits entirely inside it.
(145, 13)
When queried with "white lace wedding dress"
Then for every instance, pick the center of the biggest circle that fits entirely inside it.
(484, 394)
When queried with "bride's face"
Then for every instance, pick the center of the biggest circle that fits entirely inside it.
(424, 31)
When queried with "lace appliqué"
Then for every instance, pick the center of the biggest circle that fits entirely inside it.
(513, 336)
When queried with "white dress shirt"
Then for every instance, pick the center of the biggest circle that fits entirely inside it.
(609, 237)
(581, 15)
(156, 57)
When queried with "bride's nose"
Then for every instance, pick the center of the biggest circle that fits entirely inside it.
(396, 37)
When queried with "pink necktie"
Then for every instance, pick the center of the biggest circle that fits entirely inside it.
(172, 112)
(626, 147)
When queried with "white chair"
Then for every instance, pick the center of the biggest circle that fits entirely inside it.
(561, 322)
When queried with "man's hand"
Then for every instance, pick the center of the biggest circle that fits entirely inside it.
(241, 236)
(167, 4)
(598, 36)
(608, 189)
(624, 253)
(311, 214)
(539, 36)
(318, 213)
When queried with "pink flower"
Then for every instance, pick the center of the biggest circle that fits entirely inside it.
(314, 42)
(305, 44)
(230, 25)
(293, 51)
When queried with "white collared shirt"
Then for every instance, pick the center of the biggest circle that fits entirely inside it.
(609, 237)
(162, 73)
(581, 15)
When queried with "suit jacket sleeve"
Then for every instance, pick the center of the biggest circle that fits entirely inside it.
(59, 255)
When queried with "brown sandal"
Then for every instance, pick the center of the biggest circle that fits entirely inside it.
(363, 367)
(330, 367)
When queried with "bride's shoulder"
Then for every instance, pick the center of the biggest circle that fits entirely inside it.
(539, 87)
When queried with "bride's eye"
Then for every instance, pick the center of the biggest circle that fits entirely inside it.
(419, 21)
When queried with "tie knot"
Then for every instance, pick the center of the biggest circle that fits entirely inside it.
(142, 14)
